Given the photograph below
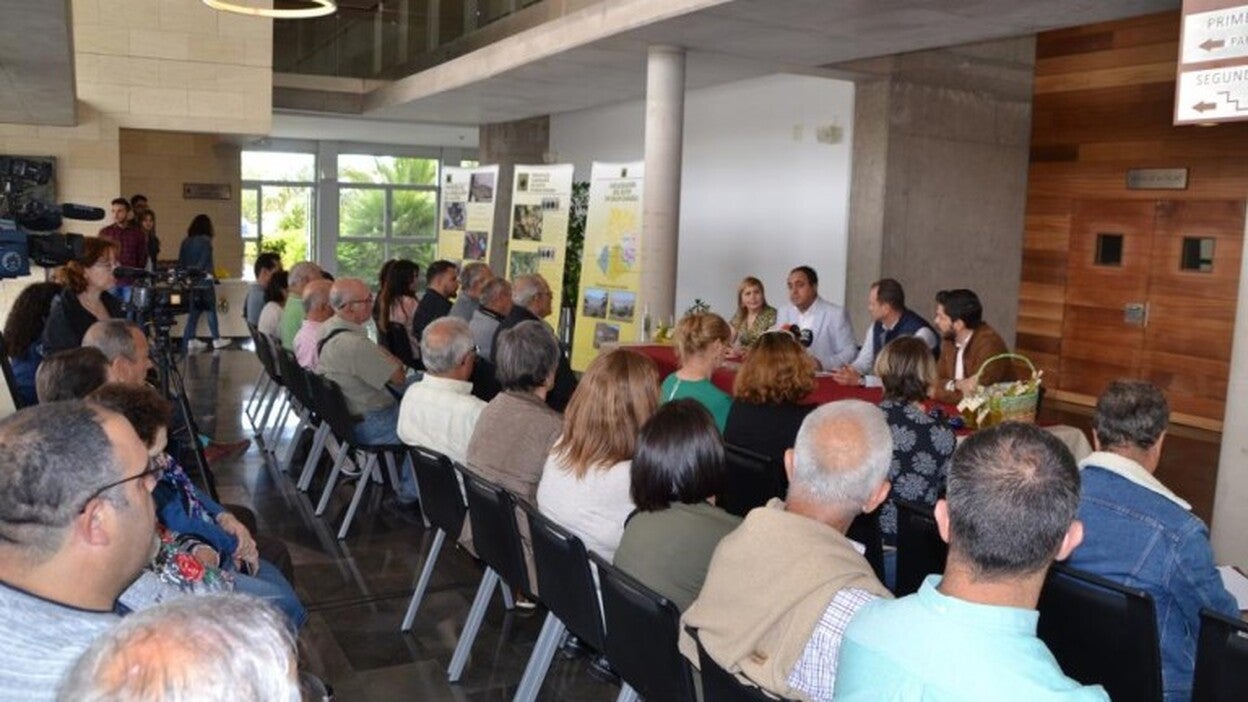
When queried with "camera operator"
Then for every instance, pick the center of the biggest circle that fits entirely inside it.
(196, 253)
(86, 299)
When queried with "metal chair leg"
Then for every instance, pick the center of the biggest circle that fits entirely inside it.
(539, 662)
(314, 457)
(284, 463)
(255, 391)
(509, 602)
(480, 603)
(422, 584)
(329, 484)
(370, 468)
(627, 694)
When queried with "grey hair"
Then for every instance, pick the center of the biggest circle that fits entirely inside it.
(496, 289)
(842, 453)
(1130, 413)
(301, 273)
(52, 457)
(472, 273)
(526, 287)
(444, 344)
(113, 337)
(319, 296)
(526, 355)
(71, 374)
(206, 648)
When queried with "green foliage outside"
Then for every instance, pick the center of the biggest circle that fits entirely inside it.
(362, 213)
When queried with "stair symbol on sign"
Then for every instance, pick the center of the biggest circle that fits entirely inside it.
(1233, 101)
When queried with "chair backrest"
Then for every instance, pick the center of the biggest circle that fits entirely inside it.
(1101, 633)
(1221, 659)
(495, 534)
(10, 380)
(331, 406)
(920, 550)
(865, 529)
(441, 498)
(395, 340)
(720, 685)
(752, 479)
(265, 351)
(642, 630)
(564, 578)
(295, 377)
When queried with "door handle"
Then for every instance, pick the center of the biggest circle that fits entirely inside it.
(1135, 314)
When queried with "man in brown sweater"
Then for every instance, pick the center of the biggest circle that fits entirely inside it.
(967, 341)
(782, 587)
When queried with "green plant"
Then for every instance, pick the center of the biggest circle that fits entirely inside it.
(576, 244)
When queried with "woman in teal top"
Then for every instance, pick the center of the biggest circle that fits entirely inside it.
(702, 341)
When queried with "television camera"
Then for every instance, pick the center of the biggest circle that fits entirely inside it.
(160, 296)
(28, 225)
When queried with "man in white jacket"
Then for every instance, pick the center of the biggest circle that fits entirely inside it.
(823, 327)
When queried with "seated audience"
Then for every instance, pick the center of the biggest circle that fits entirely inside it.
(71, 374)
(782, 586)
(701, 344)
(316, 310)
(396, 300)
(76, 525)
(267, 263)
(300, 275)
(198, 649)
(971, 633)
(754, 316)
(472, 279)
(532, 299)
(493, 308)
(822, 327)
(1139, 533)
(967, 341)
(585, 482)
(767, 394)
(677, 470)
(442, 281)
(890, 319)
(275, 298)
(23, 329)
(86, 298)
(922, 444)
(126, 348)
(439, 412)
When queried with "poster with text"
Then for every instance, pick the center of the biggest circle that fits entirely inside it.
(467, 215)
(611, 269)
(541, 201)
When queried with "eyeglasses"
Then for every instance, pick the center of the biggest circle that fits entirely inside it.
(368, 301)
(104, 263)
(154, 469)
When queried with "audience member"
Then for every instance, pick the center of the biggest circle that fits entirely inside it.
(532, 298)
(677, 470)
(781, 588)
(701, 343)
(196, 254)
(138, 206)
(767, 407)
(131, 242)
(23, 329)
(585, 482)
(300, 275)
(71, 374)
(85, 299)
(971, 634)
(440, 412)
(494, 306)
(76, 528)
(396, 302)
(275, 299)
(822, 327)
(1140, 534)
(968, 341)
(267, 263)
(442, 282)
(472, 281)
(200, 649)
(126, 348)
(147, 224)
(316, 310)
(890, 319)
(754, 316)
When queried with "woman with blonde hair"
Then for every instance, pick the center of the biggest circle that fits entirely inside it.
(86, 299)
(754, 316)
(767, 407)
(701, 343)
(585, 482)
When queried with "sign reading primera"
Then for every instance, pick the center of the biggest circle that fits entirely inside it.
(1212, 82)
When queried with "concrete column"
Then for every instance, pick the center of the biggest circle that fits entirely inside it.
(1230, 519)
(523, 142)
(665, 131)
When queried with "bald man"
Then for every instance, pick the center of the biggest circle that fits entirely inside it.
(316, 310)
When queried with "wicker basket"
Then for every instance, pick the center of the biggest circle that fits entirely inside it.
(1008, 408)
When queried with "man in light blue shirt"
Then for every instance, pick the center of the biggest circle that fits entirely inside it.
(971, 635)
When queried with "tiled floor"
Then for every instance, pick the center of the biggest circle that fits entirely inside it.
(357, 590)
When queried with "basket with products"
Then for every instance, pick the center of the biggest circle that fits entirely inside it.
(1008, 401)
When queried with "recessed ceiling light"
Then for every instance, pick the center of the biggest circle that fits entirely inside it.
(315, 8)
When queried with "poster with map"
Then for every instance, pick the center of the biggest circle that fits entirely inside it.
(467, 215)
(541, 202)
(611, 268)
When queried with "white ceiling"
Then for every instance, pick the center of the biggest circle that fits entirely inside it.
(36, 63)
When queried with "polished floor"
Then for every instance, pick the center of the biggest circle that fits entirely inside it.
(357, 590)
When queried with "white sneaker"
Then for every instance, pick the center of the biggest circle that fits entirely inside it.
(196, 345)
(220, 343)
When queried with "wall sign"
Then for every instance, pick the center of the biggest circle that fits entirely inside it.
(206, 191)
(1157, 179)
(1212, 84)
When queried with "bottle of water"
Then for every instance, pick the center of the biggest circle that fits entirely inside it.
(645, 325)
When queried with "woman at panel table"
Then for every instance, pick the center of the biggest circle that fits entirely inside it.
(767, 394)
(754, 316)
(701, 344)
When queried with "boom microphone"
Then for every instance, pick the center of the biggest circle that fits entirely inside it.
(84, 212)
(128, 272)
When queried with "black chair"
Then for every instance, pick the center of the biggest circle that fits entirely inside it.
(920, 550)
(752, 479)
(642, 629)
(442, 500)
(865, 529)
(265, 351)
(720, 685)
(296, 379)
(496, 539)
(1101, 633)
(6, 366)
(565, 583)
(1221, 659)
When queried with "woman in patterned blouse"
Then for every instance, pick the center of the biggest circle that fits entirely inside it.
(754, 316)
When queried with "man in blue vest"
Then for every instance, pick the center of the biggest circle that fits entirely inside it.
(886, 302)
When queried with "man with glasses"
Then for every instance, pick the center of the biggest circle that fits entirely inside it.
(77, 526)
(533, 299)
(440, 412)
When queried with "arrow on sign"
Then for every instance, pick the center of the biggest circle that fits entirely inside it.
(1203, 107)
(1211, 44)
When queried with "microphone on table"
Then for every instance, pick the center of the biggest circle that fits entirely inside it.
(803, 336)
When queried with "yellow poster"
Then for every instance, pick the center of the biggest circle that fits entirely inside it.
(611, 269)
(541, 201)
(467, 213)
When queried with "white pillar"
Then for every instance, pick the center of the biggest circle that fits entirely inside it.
(665, 126)
(1230, 518)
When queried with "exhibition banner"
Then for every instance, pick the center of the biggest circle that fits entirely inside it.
(611, 268)
(467, 213)
(541, 202)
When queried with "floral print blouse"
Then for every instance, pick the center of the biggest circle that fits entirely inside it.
(922, 447)
(747, 333)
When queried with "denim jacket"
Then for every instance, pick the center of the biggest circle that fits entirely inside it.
(1138, 533)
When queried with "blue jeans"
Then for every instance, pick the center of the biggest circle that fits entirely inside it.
(381, 427)
(192, 322)
(269, 585)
